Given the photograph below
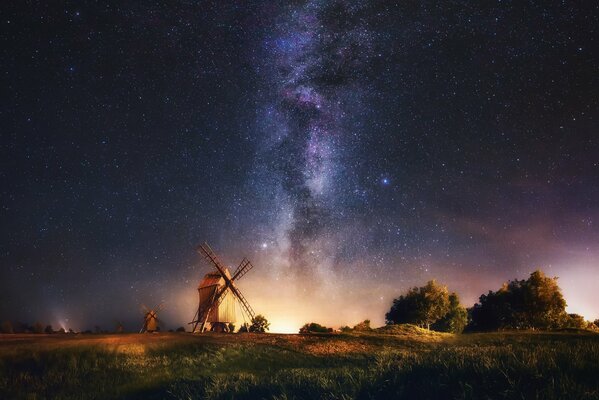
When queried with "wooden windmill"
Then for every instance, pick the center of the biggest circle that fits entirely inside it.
(218, 294)
(151, 320)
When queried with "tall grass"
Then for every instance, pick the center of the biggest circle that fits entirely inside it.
(535, 366)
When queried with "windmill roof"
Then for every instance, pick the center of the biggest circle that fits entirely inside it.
(214, 278)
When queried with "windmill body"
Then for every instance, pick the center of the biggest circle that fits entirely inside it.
(218, 295)
(209, 287)
(151, 321)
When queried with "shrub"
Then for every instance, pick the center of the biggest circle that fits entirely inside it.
(313, 327)
(363, 326)
(259, 324)
(575, 321)
(180, 329)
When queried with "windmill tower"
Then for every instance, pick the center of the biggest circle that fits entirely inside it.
(218, 294)
(151, 320)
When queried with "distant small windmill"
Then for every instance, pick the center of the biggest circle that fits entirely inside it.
(218, 293)
(151, 320)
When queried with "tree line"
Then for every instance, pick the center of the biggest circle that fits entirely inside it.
(533, 303)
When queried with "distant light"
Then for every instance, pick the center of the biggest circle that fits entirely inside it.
(264, 245)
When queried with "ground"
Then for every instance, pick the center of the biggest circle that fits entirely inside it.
(400, 362)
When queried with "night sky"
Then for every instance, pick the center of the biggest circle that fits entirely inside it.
(349, 149)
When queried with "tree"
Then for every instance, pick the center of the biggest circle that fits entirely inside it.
(421, 306)
(535, 303)
(6, 327)
(259, 324)
(48, 329)
(456, 318)
(180, 329)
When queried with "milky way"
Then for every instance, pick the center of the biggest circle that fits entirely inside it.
(314, 53)
(349, 149)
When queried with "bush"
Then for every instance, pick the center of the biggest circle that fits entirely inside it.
(244, 328)
(313, 327)
(575, 321)
(180, 329)
(363, 326)
(259, 324)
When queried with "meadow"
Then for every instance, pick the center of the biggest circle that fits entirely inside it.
(396, 362)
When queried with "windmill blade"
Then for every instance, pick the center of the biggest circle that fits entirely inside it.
(244, 267)
(209, 255)
(144, 309)
(160, 307)
(245, 305)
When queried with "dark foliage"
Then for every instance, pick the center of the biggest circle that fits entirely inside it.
(259, 324)
(363, 326)
(456, 318)
(313, 327)
(429, 306)
(535, 303)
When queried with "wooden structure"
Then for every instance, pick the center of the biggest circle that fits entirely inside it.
(151, 321)
(218, 294)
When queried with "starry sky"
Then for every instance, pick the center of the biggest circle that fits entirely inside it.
(350, 150)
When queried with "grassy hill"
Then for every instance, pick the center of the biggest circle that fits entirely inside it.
(392, 362)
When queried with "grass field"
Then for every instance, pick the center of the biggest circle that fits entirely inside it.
(403, 362)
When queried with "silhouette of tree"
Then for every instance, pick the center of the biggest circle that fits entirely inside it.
(48, 329)
(456, 318)
(314, 327)
(535, 303)
(259, 324)
(421, 306)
